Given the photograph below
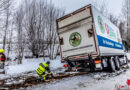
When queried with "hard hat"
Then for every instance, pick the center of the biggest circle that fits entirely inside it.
(2, 50)
(48, 62)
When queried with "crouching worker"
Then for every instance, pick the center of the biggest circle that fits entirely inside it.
(2, 58)
(43, 67)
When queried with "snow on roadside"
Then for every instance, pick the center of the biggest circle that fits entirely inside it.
(31, 65)
(128, 55)
(56, 63)
(85, 82)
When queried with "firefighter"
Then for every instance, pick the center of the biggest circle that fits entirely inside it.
(43, 67)
(2, 58)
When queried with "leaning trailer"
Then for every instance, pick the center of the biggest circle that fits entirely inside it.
(89, 40)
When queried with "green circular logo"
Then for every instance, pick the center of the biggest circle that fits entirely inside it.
(75, 39)
(101, 24)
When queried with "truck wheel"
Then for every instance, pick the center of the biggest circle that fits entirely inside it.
(112, 64)
(117, 63)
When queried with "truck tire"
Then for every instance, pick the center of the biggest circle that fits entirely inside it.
(117, 64)
(112, 64)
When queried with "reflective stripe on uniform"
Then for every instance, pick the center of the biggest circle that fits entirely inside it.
(39, 71)
(42, 65)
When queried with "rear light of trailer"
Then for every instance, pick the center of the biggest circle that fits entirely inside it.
(97, 61)
(65, 65)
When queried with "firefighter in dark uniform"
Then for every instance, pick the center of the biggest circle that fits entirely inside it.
(2, 58)
(43, 67)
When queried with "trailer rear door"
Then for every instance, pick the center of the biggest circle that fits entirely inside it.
(76, 33)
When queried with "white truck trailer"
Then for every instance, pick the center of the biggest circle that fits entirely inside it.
(88, 39)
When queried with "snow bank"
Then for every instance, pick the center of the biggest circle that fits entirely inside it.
(85, 82)
(56, 63)
(27, 65)
(128, 55)
(31, 65)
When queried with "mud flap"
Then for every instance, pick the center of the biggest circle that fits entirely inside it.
(92, 66)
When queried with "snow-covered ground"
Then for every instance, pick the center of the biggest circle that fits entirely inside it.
(84, 82)
(31, 65)
(128, 56)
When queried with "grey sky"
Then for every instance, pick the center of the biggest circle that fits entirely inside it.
(71, 5)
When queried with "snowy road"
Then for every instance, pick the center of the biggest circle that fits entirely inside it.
(86, 82)
(82, 82)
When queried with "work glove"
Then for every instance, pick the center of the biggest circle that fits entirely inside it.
(51, 74)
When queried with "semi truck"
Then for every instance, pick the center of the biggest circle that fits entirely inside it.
(89, 40)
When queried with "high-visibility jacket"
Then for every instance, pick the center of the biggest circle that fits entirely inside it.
(43, 67)
(2, 57)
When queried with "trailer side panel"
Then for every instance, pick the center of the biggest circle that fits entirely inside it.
(108, 35)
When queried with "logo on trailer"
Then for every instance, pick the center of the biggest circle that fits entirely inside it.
(104, 27)
(75, 39)
(101, 24)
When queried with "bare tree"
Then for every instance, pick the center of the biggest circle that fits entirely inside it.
(101, 5)
(5, 13)
(113, 19)
(126, 16)
(20, 34)
(122, 30)
(52, 33)
(7, 21)
(4, 5)
(9, 40)
(35, 26)
(40, 25)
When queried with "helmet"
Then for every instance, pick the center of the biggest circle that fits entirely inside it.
(2, 50)
(48, 62)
